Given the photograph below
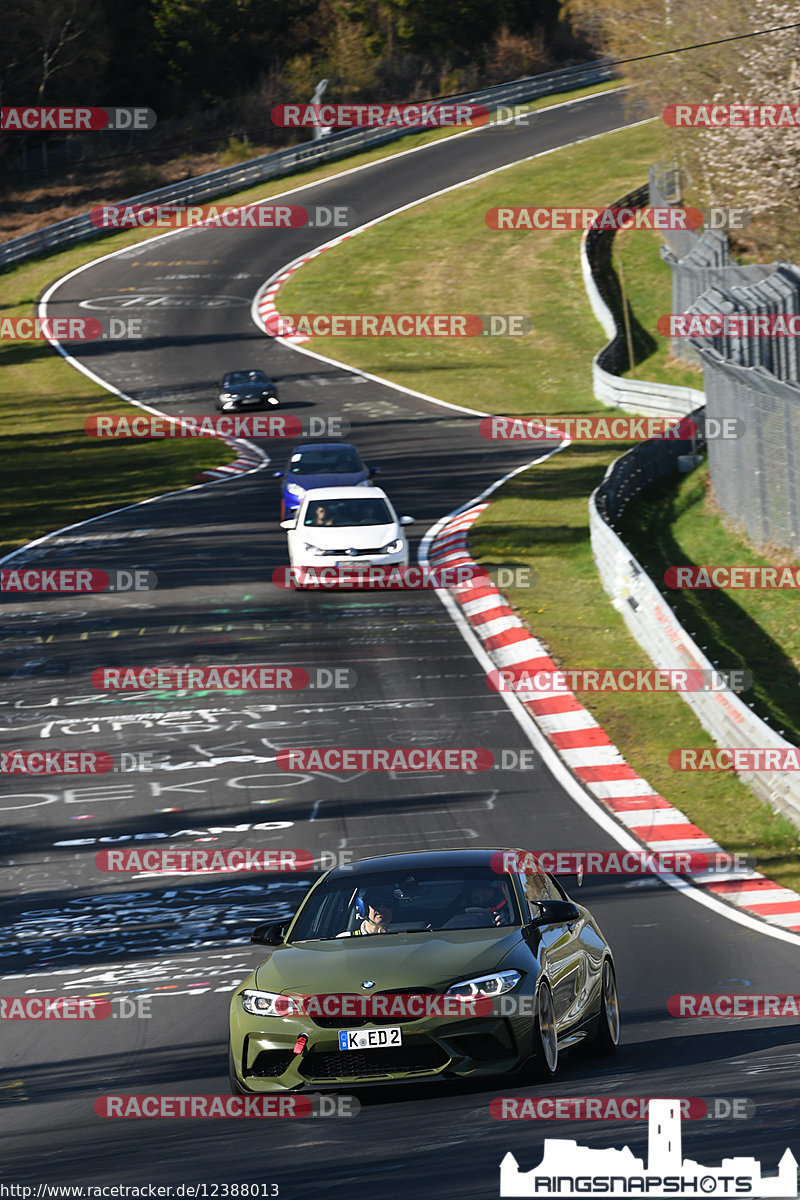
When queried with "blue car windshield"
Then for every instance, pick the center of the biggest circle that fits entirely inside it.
(325, 462)
(420, 901)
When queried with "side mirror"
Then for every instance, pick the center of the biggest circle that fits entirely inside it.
(269, 935)
(556, 912)
(277, 474)
(406, 520)
(290, 524)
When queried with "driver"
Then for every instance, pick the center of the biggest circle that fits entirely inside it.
(490, 896)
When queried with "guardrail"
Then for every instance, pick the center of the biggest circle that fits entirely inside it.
(654, 625)
(605, 297)
(648, 616)
(284, 162)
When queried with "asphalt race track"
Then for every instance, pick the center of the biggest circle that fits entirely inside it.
(180, 944)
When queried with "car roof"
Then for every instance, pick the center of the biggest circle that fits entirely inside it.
(419, 860)
(345, 493)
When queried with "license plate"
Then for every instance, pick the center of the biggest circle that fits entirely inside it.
(370, 1039)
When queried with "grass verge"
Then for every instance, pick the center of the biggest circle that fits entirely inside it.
(53, 474)
(540, 518)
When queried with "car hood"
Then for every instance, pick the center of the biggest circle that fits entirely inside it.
(350, 479)
(391, 961)
(359, 537)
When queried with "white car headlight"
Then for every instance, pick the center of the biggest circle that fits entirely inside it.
(486, 985)
(313, 549)
(294, 489)
(394, 547)
(269, 1004)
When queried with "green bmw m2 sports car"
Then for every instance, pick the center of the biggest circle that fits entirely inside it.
(431, 965)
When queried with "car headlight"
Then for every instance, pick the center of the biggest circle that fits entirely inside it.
(313, 549)
(227, 395)
(394, 547)
(269, 1004)
(486, 985)
(294, 489)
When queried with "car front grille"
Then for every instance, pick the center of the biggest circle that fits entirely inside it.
(358, 1022)
(353, 557)
(420, 1055)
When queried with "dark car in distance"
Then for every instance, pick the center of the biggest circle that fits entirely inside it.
(245, 390)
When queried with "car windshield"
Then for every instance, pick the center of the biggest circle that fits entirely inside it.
(325, 462)
(419, 901)
(348, 513)
(244, 377)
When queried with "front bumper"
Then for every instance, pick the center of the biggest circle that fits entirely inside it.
(264, 1058)
(247, 402)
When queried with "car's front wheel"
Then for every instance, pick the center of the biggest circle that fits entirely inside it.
(607, 1038)
(545, 1037)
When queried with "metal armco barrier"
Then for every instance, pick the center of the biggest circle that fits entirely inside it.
(284, 162)
(605, 297)
(653, 624)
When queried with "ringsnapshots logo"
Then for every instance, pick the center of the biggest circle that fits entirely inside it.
(74, 119)
(569, 1169)
(397, 325)
(213, 216)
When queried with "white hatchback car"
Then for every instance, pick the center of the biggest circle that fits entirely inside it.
(346, 527)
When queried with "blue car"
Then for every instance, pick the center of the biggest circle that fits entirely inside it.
(319, 465)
